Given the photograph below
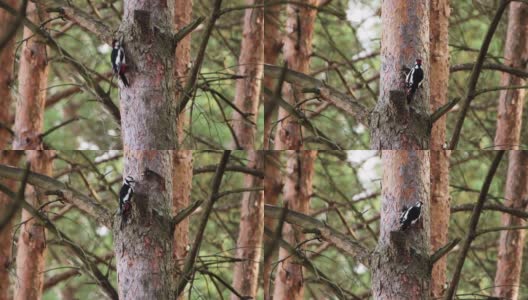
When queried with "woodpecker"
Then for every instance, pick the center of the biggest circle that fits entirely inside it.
(409, 216)
(414, 79)
(125, 195)
(119, 61)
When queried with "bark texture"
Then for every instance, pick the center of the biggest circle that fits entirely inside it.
(148, 106)
(297, 192)
(272, 48)
(297, 50)
(405, 38)
(144, 247)
(31, 250)
(509, 262)
(509, 117)
(7, 59)
(272, 190)
(400, 268)
(9, 158)
(440, 201)
(32, 84)
(249, 244)
(247, 96)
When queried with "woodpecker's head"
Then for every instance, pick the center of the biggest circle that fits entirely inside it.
(129, 180)
(419, 203)
(115, 44)
(419, 62)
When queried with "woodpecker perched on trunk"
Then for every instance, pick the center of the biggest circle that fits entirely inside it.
(410, 216)
(118, 61)
(125, 195)
(414, 79)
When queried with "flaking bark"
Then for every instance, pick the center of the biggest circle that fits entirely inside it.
(7, 59)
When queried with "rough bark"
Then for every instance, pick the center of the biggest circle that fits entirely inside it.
(182, 16)
(148, 106)
(32, 85)
(182, 173)
(250, 234)
(247, 96)
(31, 247)
(144, 247)
(509, 262)
(297, 192)
(440, 206)
(400, 263)
(6, 233)
(272, 48)
(509, 116)
(272, 190)
(405, 37)
(7, 59)
(297, 50)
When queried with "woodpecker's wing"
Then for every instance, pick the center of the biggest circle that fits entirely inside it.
(414, 213)
(113, 57)
(410, 77)
(125, 194)
(121, 55)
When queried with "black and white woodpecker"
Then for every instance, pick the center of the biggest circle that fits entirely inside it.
(125, 195)
(411, 215)
(119, 61)
(414, 79)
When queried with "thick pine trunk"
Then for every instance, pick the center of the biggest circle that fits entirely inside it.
(32, 85)
(440, 210)
(7, 59)
(148, 106)
(144, 247)
(400, 263)
(247, 96)
(31, 247)
(297, 192)
(297, 51)
(272, 190)
(249, 244)
(405, 38)
(509, 117)
(509, 263)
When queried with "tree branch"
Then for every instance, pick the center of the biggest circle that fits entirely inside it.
(490, 66)
(512, 211)
(442, 110)
(443, 251)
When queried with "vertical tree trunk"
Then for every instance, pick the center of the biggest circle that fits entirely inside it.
(248, 88)
(509, 262)
(405, 38)
(297, 192)
(272, 48)
(32, 85)
(509, 117)
(148, 106)
(272, 190)
(440, 210)
(400, 268)
(7, 59)
(9, 158)
(249, 244)
(182, 173)
(31, 250)
(144, 247)
(297, 50)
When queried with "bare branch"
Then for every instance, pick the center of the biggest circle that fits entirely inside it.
(443, 110)
(490, 66)
(443, 251)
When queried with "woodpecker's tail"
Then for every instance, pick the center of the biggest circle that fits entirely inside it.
(124, 79)
(410, 94)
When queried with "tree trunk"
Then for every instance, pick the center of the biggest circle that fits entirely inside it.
(7, 59)
(148, 106)
(400, 263)
(440, 210)
(272, 190)
(297, 192)
(509, 262)
(182, 172)
(249, 244)
(31, 247)
(272, 48)
(144, 247)
(405, 37)
(182, 16)
(509, 117)
(297, 51)
(248, 88)
(9, 158)
(32, 84)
